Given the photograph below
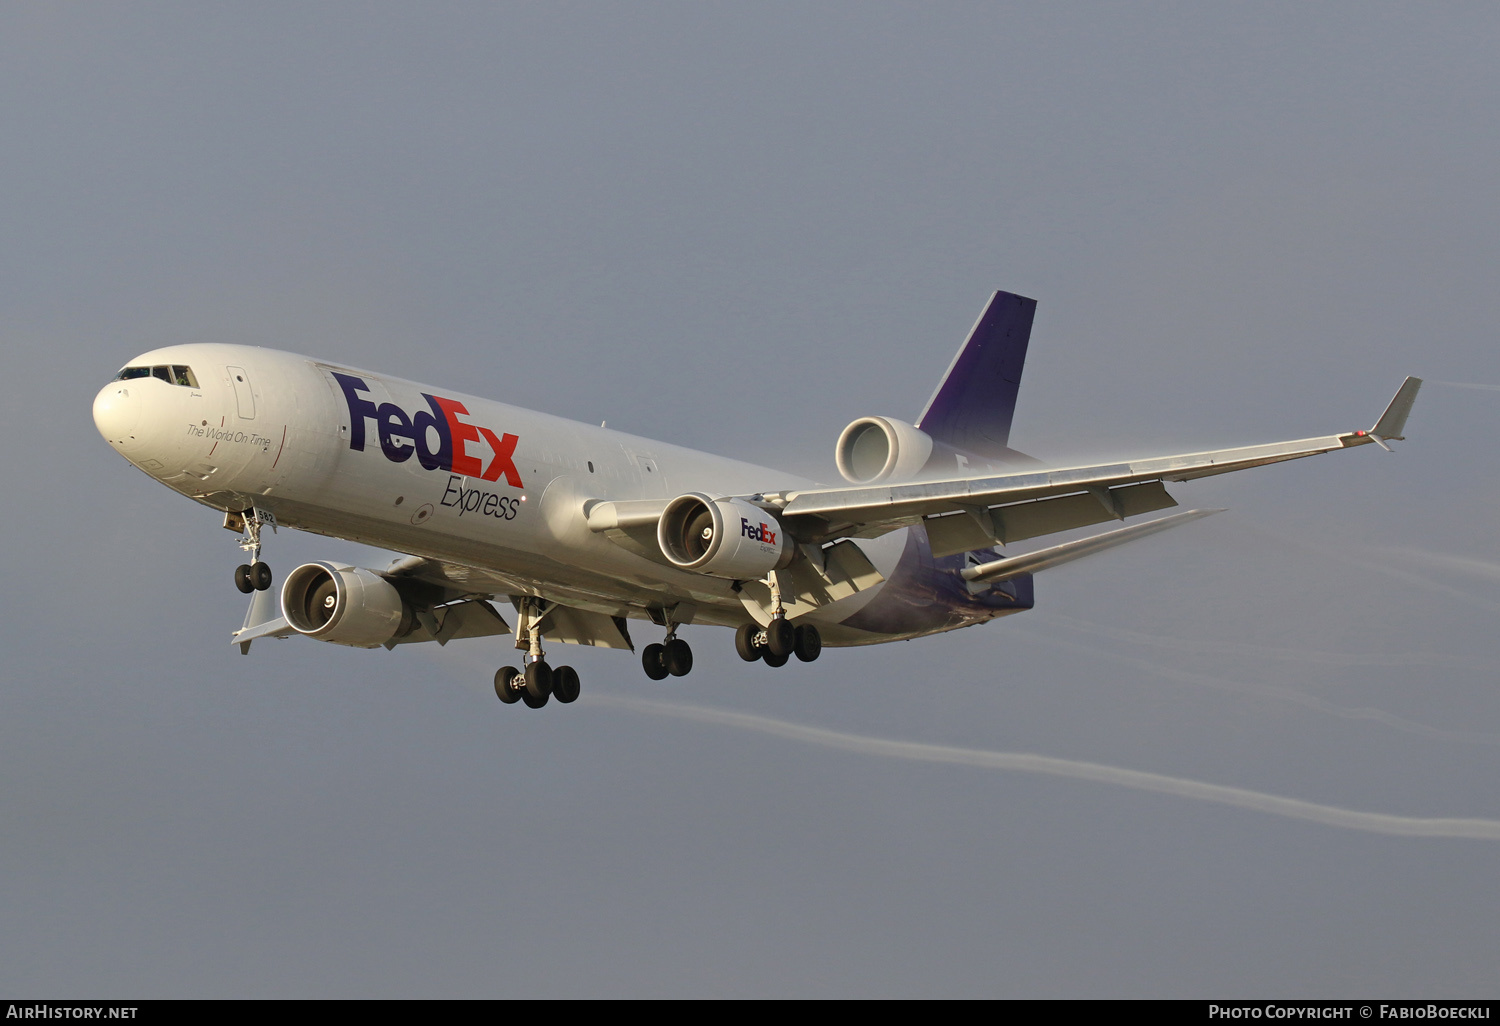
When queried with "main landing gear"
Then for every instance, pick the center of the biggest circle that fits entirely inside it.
(537, 681)
(777, 642)
(673, 657)
(536, 684)
(254, 575)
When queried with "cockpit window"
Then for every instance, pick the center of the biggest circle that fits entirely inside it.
(173, 375)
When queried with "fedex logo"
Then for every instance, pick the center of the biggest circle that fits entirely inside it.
(757, 532)
(459, 450)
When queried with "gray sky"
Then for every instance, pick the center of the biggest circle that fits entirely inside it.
(739, 227)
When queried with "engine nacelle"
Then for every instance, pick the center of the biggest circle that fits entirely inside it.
(875, 449)
(344, 605)
(722, 537)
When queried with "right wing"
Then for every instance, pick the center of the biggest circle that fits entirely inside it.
(970, 513)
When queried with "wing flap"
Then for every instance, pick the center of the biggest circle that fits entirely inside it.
(980, 527)
(473, 619)
(1049, 516)
(572, 626)
(840, 571)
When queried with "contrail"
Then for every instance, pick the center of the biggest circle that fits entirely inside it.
(1343, 553)
(1465, 384)
(1463, 564)
(1204, 646)
(1271, 691)
(1025, 762)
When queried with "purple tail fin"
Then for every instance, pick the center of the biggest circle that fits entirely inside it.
(972, 407)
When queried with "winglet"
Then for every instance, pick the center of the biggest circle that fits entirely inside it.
(1393, 421)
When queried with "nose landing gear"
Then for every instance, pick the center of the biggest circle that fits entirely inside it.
(254, 575)
(250, 577)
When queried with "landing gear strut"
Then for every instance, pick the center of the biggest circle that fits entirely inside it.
(254, 575)
(537, 681)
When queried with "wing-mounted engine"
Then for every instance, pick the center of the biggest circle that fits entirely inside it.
(722, 537)
(345, 605)
(412, 601)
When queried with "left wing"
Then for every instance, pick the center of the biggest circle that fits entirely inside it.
(970, 513)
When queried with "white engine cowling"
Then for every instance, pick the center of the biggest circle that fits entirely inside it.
(722, 537)
(875, 449)
(344, 605)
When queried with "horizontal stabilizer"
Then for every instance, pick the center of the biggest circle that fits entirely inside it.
(1044, 559)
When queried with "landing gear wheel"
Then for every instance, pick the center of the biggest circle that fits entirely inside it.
(772, 659)
(654, 662)
(538, 682)
(677, 657)
(505, 688)
(242, 579)
(260, 576)
(565, 684)
(809, 643)
(744, 642)
(533, 703)
(781, 637)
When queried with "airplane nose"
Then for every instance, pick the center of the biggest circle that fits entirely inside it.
(117, 410)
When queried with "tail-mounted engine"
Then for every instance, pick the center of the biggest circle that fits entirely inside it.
(722, 537)
(875, 449)
(344, 605)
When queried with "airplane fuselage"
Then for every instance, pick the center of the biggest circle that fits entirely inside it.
(475, 483)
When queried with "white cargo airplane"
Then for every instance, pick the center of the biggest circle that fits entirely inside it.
(581, 529)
